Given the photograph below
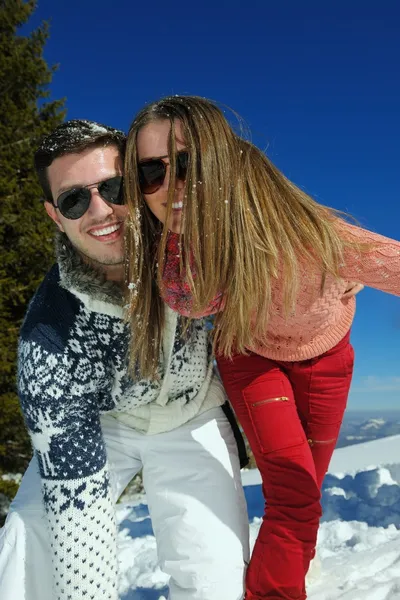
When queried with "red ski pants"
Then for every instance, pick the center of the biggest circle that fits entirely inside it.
(291, 413)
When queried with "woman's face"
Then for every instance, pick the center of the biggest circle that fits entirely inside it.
(152, 142)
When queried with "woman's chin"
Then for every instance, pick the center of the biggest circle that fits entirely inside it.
(174, 224)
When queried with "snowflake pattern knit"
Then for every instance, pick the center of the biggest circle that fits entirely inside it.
(72, 368)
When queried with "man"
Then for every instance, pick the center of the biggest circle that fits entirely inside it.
(93, 427)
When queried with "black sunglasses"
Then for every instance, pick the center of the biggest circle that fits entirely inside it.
(152, 172)
(73, 203)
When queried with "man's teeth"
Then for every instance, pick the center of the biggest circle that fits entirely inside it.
(106, 230)
(177, 205)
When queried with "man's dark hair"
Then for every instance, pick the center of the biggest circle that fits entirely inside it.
(74, 137)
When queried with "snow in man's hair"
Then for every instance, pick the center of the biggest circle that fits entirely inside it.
(73, 137)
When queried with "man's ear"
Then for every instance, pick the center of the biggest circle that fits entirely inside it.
(52, 212)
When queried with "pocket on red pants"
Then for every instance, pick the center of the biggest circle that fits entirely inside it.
(350, 360)
(273, 415)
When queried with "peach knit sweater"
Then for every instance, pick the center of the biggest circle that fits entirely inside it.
(318, 322)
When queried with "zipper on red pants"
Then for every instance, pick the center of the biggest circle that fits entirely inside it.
(312, 442)
(269, 400)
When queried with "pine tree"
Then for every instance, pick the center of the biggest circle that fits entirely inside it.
(26, 115)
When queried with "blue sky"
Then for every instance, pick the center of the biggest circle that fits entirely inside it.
(317, 83)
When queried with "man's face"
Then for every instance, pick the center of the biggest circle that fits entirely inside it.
(98, 235)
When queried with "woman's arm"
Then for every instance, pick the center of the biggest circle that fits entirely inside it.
(377, 265)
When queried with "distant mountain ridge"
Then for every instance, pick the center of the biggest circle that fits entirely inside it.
(356, 430)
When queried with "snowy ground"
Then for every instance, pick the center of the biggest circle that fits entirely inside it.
(359, 541)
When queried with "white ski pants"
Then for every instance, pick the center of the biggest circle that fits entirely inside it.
(193, 488)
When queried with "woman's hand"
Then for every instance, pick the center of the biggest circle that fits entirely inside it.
(352, 290)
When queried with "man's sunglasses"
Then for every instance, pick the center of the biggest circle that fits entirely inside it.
(152, 172)
(73, 203)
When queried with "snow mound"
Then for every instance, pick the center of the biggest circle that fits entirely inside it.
(359, 538)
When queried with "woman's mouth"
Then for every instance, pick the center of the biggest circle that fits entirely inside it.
(176, 206)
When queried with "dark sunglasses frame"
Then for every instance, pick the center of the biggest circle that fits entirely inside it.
(73, 203)
(150, 183)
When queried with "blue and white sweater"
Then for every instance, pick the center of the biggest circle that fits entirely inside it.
(72, 368)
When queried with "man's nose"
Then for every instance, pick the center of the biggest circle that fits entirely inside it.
(98, 206)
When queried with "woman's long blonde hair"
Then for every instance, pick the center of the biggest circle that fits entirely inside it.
(244, 224)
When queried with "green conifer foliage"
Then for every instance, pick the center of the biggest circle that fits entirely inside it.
(26, 233)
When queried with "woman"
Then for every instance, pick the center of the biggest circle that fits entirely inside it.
(273, 265)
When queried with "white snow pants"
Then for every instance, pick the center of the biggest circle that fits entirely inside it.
(193, 488)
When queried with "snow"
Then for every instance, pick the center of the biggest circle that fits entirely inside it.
(359, 457)
(73, 133)
(373, 424)
(16, 477)
(359, 537)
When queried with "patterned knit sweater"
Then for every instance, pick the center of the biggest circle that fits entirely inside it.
(319, 321)
(72, 368)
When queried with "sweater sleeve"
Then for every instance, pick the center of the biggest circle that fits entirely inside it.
(377, 265)
(59, 400)
(175, 290)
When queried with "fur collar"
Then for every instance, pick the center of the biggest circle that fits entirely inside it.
(77, 275)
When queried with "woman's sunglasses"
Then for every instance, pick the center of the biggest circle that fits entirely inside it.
(73, 204)
(152, 172)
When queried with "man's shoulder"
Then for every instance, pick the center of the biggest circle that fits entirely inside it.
(51, 312)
